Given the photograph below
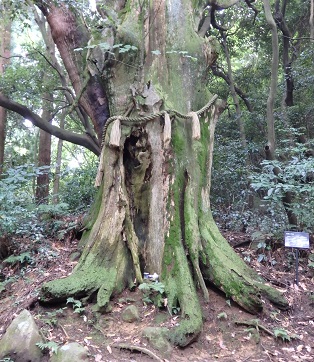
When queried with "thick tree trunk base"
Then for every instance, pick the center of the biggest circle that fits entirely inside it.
(153, 214)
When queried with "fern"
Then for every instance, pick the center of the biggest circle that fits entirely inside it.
(22, 258)
(50, 346)
(282, 333)
(76, 304)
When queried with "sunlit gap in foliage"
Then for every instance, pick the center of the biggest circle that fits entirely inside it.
(92, 5)
(28, 124)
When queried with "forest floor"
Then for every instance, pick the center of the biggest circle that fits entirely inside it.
(229, 333)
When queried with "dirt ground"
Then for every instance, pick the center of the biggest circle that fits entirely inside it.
(229, 333)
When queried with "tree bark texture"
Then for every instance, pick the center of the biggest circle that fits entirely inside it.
(69, 33)
(152, 212)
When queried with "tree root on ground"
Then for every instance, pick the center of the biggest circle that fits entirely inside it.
(255, 323)
(133, 347)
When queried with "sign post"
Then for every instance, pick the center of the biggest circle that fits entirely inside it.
(298, 240)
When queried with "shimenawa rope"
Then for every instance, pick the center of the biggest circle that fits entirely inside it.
(150, 117)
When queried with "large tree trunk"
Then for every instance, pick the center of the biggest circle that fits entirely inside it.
(153, 212)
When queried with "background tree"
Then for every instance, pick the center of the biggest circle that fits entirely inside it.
(5, 44)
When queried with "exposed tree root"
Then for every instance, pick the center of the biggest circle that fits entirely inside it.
(133, 347)
(229, 272)
(255, 323)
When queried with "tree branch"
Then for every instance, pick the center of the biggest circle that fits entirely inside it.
(82, 140)
(220, 73)
(222, 4)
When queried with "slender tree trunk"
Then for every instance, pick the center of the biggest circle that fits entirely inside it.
(312, 21)
(44, 149)
(5, 44)
(270, 148)
(2, 137)
(56, 180)
(152, 213)
(233, 91)
(286, 58)
(273, 83)
(44, 154)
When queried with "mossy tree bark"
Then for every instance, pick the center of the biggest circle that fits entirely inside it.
(152, 211)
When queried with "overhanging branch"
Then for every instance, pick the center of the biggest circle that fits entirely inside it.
(220, 73)
(78, 139)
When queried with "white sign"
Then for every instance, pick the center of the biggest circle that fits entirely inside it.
(294, 239)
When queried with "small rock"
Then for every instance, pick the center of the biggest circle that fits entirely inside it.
(19, 341)
(158, 339)
(130, 314)
(75, 256)
(71, 352)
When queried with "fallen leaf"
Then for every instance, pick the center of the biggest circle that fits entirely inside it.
(87, 341)
(109, 349)
(221, 344)
(291, 350)
(300, 347)
(296, 358)
(98, 358)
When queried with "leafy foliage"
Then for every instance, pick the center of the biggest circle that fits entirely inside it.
(17, 208)
(19, 213)
(283, 334)
(51, 319)
(77, 189)
(76, 304)
(153, 293)
(296, 177)
(48, 346)
(22, 258)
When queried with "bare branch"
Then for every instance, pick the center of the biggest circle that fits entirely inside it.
(79, 139)
(220, 73)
